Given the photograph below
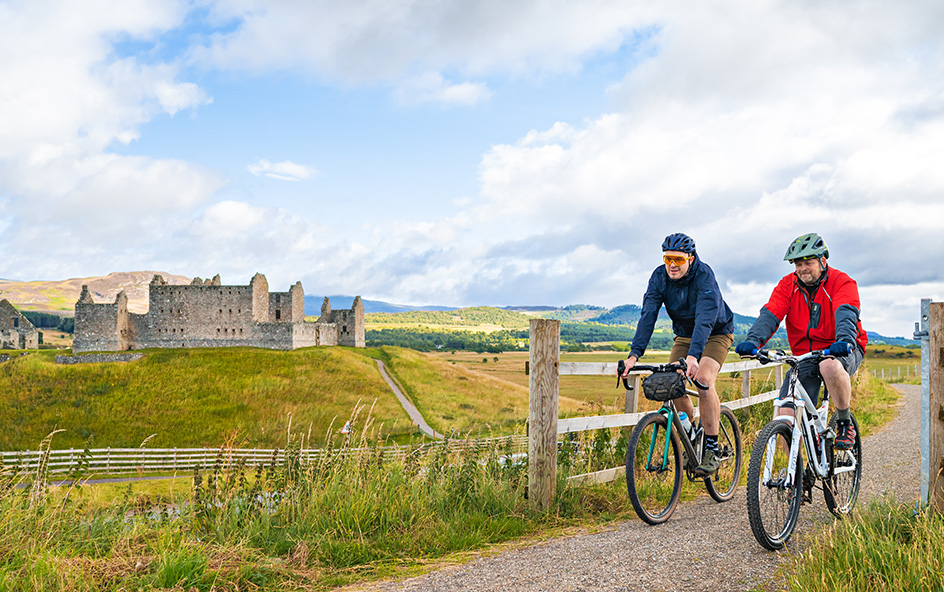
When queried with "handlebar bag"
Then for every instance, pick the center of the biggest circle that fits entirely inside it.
(663, 386)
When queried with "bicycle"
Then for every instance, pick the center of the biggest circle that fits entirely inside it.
(775, 488)
(656, 455)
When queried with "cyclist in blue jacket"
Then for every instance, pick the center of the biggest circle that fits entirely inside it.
(704, 330)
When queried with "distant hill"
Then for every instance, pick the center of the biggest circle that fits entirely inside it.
(61, 295)
(876, 339)
(313, 305)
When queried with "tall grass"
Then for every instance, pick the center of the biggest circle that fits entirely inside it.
(347, 516)
(882, 547)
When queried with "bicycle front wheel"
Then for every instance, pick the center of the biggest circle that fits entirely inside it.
(722, 484)
(773, 495)
(653, 469)
(841, 487)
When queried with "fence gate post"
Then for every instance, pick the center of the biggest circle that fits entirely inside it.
(543, 388)
(936, 407)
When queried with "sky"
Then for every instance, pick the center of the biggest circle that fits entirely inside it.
(475, 152)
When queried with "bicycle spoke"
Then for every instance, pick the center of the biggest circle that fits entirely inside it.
(773, 495)
(841, 488)
(724, 482)
(653, 470)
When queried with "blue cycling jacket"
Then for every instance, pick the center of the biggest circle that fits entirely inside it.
(694, 304)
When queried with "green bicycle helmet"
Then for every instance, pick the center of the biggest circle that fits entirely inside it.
(808, 245)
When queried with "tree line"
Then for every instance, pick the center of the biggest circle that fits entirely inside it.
(574, 337)
(45, 320)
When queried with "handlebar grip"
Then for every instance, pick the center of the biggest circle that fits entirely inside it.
(753, 353)
(699, 385)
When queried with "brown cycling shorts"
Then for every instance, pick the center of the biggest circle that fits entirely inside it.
(716, 348)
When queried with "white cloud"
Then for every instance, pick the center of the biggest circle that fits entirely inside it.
(67, 99)
(744, 125)
(368, 41)
(284, 171)
(431, 87)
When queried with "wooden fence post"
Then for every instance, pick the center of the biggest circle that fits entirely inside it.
(543, 388)
(936, 407)
(632, 396)
(746, 383)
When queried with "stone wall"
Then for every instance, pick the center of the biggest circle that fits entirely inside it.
(209, 314)
(98, 358)
(98, 323)
(350, 323)
(16, 331)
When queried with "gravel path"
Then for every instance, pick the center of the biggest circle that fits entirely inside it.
(411, 410)
(704, 546)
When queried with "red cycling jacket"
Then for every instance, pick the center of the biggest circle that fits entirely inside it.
(832, 314)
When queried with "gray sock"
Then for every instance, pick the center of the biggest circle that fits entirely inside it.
(843, 415)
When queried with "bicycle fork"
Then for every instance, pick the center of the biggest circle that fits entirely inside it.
(687, 444)
(668, 443)
(783, 481)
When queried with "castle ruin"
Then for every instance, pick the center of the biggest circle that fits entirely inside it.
(16, 331)
(209, 314)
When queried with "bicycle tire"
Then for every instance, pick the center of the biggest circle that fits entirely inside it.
(647, 482)
(841, 490)
(724, 482)
(773, 507)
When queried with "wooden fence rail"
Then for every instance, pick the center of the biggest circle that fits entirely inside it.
(118, 461)
(544, 425)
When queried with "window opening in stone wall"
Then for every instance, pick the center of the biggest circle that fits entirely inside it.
(278, 315)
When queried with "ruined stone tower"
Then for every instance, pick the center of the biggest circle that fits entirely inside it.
(209, 314)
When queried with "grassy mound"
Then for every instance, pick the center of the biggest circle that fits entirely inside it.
(242, 397)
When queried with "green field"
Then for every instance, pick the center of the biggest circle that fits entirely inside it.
(246, 397)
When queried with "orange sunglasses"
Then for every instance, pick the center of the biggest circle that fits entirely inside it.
(675, 260)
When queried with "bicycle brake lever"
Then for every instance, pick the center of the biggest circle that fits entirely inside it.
(620, 368)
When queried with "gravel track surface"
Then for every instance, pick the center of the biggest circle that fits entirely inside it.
(704, 546)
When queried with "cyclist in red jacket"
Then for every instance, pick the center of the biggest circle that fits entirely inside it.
(821, 306)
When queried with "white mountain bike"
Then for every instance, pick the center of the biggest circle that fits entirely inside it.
(778, 478)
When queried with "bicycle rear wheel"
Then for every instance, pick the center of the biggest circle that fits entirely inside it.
(773, 502)
(841, 487)
(722, 484)
(653, 472)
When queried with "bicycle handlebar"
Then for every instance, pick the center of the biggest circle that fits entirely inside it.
(670, 367)
(766, 356)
